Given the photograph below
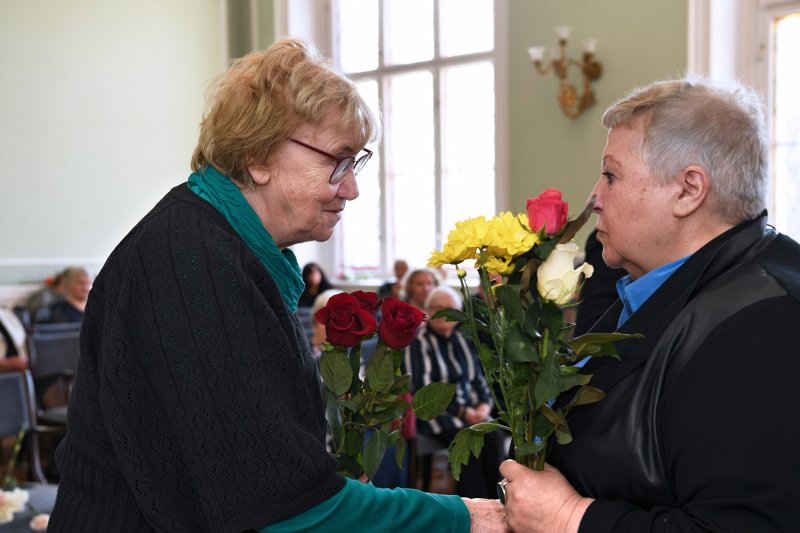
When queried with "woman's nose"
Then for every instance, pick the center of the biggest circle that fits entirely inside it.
(348, 188)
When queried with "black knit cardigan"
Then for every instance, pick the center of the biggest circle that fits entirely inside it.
(197, 405)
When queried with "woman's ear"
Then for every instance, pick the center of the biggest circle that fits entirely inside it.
(695, 184)
(261, 174)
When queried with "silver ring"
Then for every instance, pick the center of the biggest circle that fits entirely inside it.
(501, 490)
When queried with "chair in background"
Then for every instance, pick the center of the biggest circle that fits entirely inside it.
(53, 354)
(17, 412)
(306, 320)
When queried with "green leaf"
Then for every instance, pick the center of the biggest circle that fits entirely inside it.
(348, 466)
(401, 384)
(374, 449)
(354, 404)
(400, 451)
(569, 380)
(336, 372)
(597, 344)
(380, 371)
(468, 440)
(334, 418)
(528, 448)
(452, 315)
(548, 383)
(518, 347)
(432, 399)
(352, 442)
(508, 296)
(563, 435)
(552, 318)
(585, 396)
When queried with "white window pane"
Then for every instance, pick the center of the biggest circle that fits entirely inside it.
(786, 148)
(358, 35)
(787, 79)
(361, 223)
(410, 162)
(467, 26)
(409, 31)
(787, 189)
(468, 132)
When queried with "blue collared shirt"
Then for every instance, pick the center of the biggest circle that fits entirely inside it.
(635, 292)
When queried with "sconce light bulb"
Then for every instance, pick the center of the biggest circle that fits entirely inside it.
(536, 53)
(563, 32)
(590, 46)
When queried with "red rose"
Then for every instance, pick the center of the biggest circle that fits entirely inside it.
(547, 211)
(345, 321)
(399, 323)
(368, 301)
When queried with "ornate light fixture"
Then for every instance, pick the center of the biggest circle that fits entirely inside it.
(571, 103)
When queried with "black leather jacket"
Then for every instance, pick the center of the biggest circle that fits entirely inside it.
(639, 452)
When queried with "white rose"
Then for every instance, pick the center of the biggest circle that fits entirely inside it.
(557, 279)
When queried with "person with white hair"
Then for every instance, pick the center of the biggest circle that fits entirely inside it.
(700, 421)
(440, 353)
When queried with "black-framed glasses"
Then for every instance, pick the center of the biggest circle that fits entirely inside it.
(343, 164)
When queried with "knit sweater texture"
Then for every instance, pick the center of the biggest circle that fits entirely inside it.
(197, 404)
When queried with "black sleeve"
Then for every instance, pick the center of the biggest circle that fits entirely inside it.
(731, 423)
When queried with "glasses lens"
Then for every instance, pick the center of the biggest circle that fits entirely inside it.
(341, 169)
(361, 162)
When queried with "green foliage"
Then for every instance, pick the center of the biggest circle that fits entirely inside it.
(432, 399)
(364, 415)
(529, 358)
(468, 440)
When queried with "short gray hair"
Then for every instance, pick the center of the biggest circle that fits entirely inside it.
(458, 302)
(717, 126)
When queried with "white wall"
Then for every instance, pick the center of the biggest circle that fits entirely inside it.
(100, 103)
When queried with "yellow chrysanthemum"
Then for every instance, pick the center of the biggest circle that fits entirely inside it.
(462, 243)
(451, 255)
(498, 265)
(510, 236)
(469, 233)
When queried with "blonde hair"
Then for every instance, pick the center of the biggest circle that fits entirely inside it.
(694, 121)
(256, 104)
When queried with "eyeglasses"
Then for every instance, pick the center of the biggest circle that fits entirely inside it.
(343, 164)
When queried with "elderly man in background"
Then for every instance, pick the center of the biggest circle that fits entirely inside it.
(701, 417)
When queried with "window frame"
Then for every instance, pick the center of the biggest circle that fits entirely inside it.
(316, 20)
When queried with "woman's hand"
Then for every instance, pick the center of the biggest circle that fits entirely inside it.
(541, 501)
(486, 515)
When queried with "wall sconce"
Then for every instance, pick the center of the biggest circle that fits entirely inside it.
(572, 103)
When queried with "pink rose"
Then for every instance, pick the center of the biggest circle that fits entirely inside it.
(547, 211)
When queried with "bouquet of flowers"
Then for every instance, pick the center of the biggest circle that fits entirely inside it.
(519, 332)
(14, 499)
(365, 415)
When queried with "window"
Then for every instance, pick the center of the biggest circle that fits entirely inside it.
(429, 67)
(758, 42)
(786, 123)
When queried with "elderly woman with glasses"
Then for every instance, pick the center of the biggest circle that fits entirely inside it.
(197, 405)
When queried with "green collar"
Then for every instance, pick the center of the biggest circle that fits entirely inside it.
(210, 185)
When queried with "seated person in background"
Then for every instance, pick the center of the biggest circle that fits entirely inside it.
(317, 329)
(12, 342)
(441, 353)
(316, 283)
(39, 303)
(77, 283)
(394, 287)
(418, 283)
